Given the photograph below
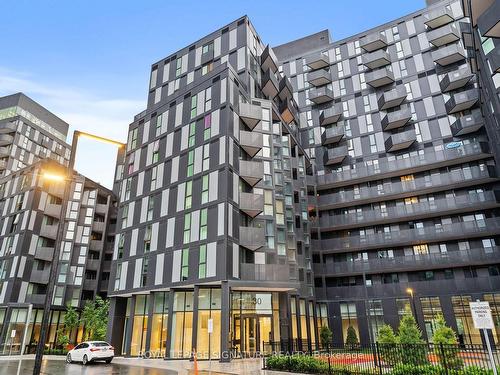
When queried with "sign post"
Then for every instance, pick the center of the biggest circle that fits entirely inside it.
(481, 316)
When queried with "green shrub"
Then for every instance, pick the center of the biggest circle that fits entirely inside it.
(409, 369)
(388, 350)
(413, 346)
(446, 347)
(325, 336)
(352, 337)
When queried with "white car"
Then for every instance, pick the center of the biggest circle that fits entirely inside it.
(91, 351)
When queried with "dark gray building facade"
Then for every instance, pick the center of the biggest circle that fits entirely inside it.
(266, 192)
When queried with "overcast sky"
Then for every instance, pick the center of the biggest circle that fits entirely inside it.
(88, 61)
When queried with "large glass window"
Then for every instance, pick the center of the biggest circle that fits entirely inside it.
(466, 332)
(159, 324)
(494, 300)
(431, 308)
(349, 318)
(375, 315)
(209, 305)
(182, 325)
(140, 325)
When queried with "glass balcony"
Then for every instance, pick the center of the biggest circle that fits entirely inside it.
(49, 231)
(396, 119)
(265, 272)
(438, 17)
(40, 276)
(288, 111)
(404, 237)
(285, 89)
(252, 238)
(251, 172)
(417, 211)
(461, 101)
(332, 135)
(468, 124)
(8, 127)
(455, 79)
(6, 139)
(268, 60)
(376, 59)
(331, 115)
(444, 35)
(335, 155)
(457, 178)
(319, 77)
(448, 54)
(318, 61)
(385, 168)
(320, 95)
(488, 22)
(251, 204)
(392, 98)
(44, 253)
(4, 152)
(373, 42)
(400, 141)
(250, 114)
(53, 210)
(379, 77)
(251, 142)
(270, 84)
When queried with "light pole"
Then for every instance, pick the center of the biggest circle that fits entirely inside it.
(60, 176)
(414, 307)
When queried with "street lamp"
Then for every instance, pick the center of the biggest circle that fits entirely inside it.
(410, 292)
(60, 177)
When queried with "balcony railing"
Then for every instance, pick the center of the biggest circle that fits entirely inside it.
(400, 141)
(392, 98)
(98, 226)
(264, 272)
(457, 178)
(455, 79)
(438, 17)
(468, 123)
(335, 155)
(416, 211)
(250, 114)
(49, 231)
(403, 237)
(330, 115)
(388, 168)
(461, 101)
(470, 257)
(40, 276)
(288, 111)
(251, 204)
(252, 238)
(379, 77)
(396, 119)
(6, 139)
(373, 42)
(488, 22)
(319, 77)
(251, 142)
(376, 59)
(4, 152)
(448, 54)
(318, 61)
(93, 264)
(96, 245)
(332, 135)
(444, 35)
(285, 89)
(270, 84)
(44, 253)
(320, 95)
(101, 208)
(268, 59)
(251, 171)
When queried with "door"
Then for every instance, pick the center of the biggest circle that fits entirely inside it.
(255, 331)
(250, 339)
(265, 334)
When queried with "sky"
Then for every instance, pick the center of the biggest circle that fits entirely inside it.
(88, 61)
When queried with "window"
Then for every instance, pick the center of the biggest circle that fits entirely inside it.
(192, 134)
(178, 69)
(190, 166)
(204, 188)
(187, 228)
(208, 100)
(154, 177)
(203, 224)
(151, 204)
(206, 156)
(207, 68)
(202, 264)
(268, 202)
(144, 271)
(156, 151)
(194, 101)
(125, 216)
(133, 138)
(207, 47)
(158, 124)
(185, 264)
(207, 121)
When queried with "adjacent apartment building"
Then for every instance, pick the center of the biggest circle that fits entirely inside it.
(266, 192)
(34, 143)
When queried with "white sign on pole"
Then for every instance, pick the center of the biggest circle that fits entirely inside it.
(210, 325)
(481, 315)
(12, 333)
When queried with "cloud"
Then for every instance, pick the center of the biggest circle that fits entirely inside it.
(83, 110)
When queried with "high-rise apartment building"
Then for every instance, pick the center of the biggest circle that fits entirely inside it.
(29, 132)
(31, 211)
(268, 191)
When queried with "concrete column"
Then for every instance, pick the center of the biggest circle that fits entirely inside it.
(225, 321)
(128, 333)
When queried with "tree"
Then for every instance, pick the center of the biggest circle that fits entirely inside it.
(410, 336)
(95, 318)
(388, 344)
(325, 336)
(352, 337)
(445, 344)
(71, 321)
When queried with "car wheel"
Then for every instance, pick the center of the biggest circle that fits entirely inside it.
(85, 360)
(68, 358)
(109, 360)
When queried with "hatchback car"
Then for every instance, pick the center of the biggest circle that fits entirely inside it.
(91, 351)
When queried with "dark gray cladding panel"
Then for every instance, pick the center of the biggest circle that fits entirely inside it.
(302, 46)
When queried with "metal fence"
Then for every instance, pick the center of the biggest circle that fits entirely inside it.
(385, 359)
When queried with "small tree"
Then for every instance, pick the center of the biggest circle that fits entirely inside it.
(388, 341)
(410, 336)
(352, 337)
(445, 344)
(325, 336)
(95, 318)
(70, 322)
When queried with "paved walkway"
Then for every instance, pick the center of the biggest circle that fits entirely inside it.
(180, 367)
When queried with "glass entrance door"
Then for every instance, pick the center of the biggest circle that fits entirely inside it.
(255, 331)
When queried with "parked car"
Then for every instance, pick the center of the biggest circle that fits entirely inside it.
(91, 351)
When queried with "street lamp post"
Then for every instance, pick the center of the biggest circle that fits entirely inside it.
(414, 307)
(61, 178)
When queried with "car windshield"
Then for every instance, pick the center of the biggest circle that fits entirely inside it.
(100, 344)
